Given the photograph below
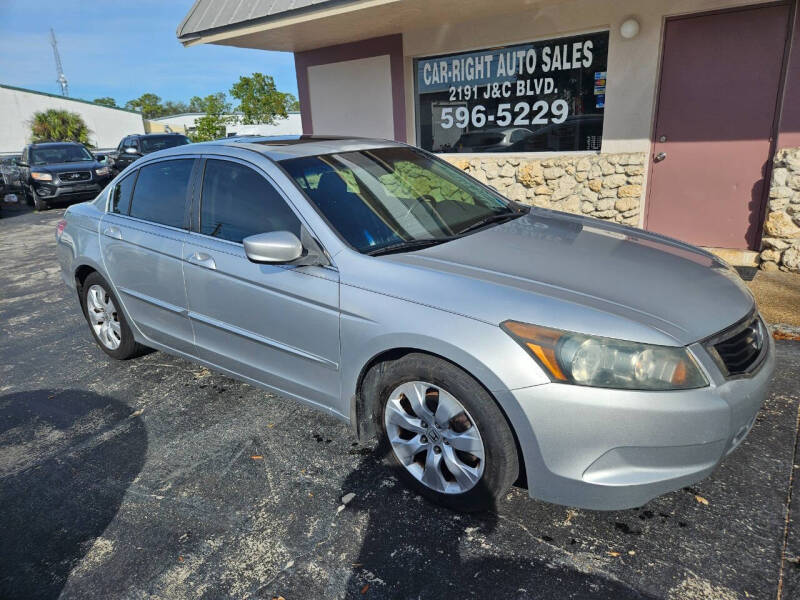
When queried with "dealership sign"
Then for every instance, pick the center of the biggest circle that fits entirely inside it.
(546, 95)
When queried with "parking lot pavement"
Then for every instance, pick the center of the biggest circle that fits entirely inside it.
(155, 478)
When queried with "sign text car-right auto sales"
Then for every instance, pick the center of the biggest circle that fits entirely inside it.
(527, 87)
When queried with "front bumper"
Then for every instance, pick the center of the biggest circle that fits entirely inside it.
(613, 449)
(69, 192)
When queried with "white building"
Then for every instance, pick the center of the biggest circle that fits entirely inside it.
(185, 123)
(107, 126)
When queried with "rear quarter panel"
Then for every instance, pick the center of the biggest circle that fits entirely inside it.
(79, 243)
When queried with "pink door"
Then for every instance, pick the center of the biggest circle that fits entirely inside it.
(712, 141)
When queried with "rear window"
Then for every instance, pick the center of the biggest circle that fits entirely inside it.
(160, 142)
(161, 192)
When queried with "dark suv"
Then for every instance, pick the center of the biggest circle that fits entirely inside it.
(136, 146)
(61, 172)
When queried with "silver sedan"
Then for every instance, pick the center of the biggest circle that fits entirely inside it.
(483, 342)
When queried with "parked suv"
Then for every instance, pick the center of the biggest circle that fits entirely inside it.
(133, 147)
(60, 172)
(481, 340)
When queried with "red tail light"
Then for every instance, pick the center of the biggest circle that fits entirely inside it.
(60, 227)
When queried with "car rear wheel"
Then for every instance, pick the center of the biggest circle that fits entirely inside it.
(106, 320)
(445, 433)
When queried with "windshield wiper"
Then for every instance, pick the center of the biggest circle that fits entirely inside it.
(495, 218)
(409, 245)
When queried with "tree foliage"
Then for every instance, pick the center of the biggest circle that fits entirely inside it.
(106, 101)
(259, 99)
(58, 126)
(148, 104)
(217, 115)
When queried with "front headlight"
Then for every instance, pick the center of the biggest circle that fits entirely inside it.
(41, 176)
(606, 362)
(102, 171)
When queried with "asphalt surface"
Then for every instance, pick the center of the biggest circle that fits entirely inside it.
(155, 478)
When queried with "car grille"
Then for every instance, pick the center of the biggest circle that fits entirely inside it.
(75, 176)
(739, 349)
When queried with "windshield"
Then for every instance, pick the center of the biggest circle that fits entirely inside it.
(395, 197)
(60, 154)
(159, 142)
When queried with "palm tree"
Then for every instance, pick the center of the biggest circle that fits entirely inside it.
(58, 126)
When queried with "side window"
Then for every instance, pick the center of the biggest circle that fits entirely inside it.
(161, 192)
(121, 144)
(238, 202)
(121, 195)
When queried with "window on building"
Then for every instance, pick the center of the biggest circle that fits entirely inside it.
(238, 202)
(161, 192)
(541, 96)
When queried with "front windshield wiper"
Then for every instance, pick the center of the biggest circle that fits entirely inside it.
(494, 218)
(408, 245)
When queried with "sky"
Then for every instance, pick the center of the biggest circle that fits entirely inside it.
(122, 49)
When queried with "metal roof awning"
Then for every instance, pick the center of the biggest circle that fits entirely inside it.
(298, 25)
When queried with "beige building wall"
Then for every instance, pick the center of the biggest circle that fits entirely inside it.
(17, 107)
(353, 97)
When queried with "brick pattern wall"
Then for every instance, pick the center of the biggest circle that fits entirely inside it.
(781, 241)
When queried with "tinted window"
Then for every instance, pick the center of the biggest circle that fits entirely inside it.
(121, 195)
(159, 142)
(238, 202)
(160, 193)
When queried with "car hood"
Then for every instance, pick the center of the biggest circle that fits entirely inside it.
(577, 274)
(66, 167)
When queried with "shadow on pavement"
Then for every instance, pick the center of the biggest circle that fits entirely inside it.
(66, 459)
(414, 549)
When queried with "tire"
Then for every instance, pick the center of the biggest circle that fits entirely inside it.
(38, 203)
(432, 457)
(115, 340)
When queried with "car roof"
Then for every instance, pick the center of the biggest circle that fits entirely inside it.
(278, 148)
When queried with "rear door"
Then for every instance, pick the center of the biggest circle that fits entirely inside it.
(142, 237)
(275, 324)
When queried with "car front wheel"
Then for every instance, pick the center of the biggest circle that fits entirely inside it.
(445, 433)
(36, 200)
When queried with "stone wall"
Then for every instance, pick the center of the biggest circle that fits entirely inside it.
(781, 241)
(606, 186)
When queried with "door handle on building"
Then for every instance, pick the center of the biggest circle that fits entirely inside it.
(659, 157)
(202, 259)
(113, 232)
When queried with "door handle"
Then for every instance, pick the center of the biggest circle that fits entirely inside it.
(659, 157)
(202, 259)
(113, 232)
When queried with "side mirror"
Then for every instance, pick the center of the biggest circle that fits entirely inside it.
(131, 150)
(275, 247)
(19, 163)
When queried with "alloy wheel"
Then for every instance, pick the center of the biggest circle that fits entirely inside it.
(103, 317)
(434, 437)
